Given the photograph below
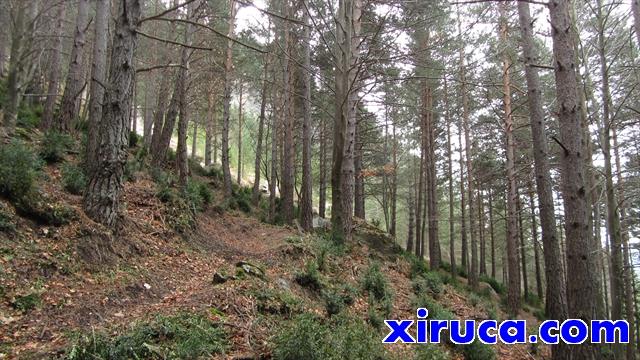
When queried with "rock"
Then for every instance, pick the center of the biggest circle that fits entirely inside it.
(283, 284)
(219, 278)
(251, 269)
(147, 286)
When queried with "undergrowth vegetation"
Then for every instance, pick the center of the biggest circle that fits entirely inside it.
(181, 336)
(340, 337)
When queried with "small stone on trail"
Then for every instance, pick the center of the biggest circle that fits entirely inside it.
(219, 278)
(147, 286)
(251, 269)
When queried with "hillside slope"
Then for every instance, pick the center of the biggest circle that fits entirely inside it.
(78, 291)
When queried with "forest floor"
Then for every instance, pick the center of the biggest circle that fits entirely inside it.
(59, 282)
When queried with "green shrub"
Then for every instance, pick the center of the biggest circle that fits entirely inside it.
(374, 318)
(342, 337)
(498, 287)
(7, 222)
(310, 277)
(430, 282)
(182, 336)
(533, 300)
(73, 178)
(436, 310)
(134, 139)
(431, 352)
(333, 302)
(39, 207)
(54, 146)
(29, 116)
(478, 351)
(275, 302)
(27, 303)
(375, 283)
(181, 216)
(19, 170)
(540, 314)
(418, 266)
(198, 194)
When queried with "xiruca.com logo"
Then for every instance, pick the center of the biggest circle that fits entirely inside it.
(571, 331)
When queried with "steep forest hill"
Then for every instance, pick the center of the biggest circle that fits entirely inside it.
(196, 276)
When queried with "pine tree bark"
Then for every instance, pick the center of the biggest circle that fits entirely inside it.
(342, 174)
(322, 196)
(182, 162)
(514, 294)
(581, 290)
(635, 10)
(534, 239)
(102, 197)
(208, 137)
(412, 217)
(98, 76)
(481, 223)
(75, 82)
(555, 301)
(240, 125)
(492, 235)
(523, 247)
(452, 248)
(255, 197)
(358, 207)
(306, 199)
(226, 111)
(288, 149)
(54, 74)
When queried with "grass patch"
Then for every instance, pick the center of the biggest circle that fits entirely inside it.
(182, 336)
(20, 167)
(26, 303)
(309, 278)
(498, 287)
(341, 337)
(273, 302)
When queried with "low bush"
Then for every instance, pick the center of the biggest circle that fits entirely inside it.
(26, 303)
(7, 222)
(341, 337)
(198, 194)
(73, 178)
(29, 116)
(418, 266)
(134, 139)
(182, 336)
(19, 170)
(54, 146)
(310, 277)
(274, 302)
(478, 351)
(431, 352)
(375, 283)
(333, 302)
(430, 282)
(498, 287)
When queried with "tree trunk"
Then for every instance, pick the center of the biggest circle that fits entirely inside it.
(626, 253)
(228, 73)
(14, 86)
(523, 247)
(164, 142)
(288, 149)
(183, 105)
(75, 82)
(54, 74)
(473, 269)
(513, 296)
(194, 141)
(481, 223)
(452, 248)
(613, 220)
(306, 199)
(635, 9)
(102, 197)
(208, 137)
(359, 210)
(274, 162)
(240, 124)
(534, 239)
(492, 235)
(412, 216)
(556, 302)
(581, 291)
(98, 76)
(342, 176)
(394, 182)
(255, 197)
(322, 196)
